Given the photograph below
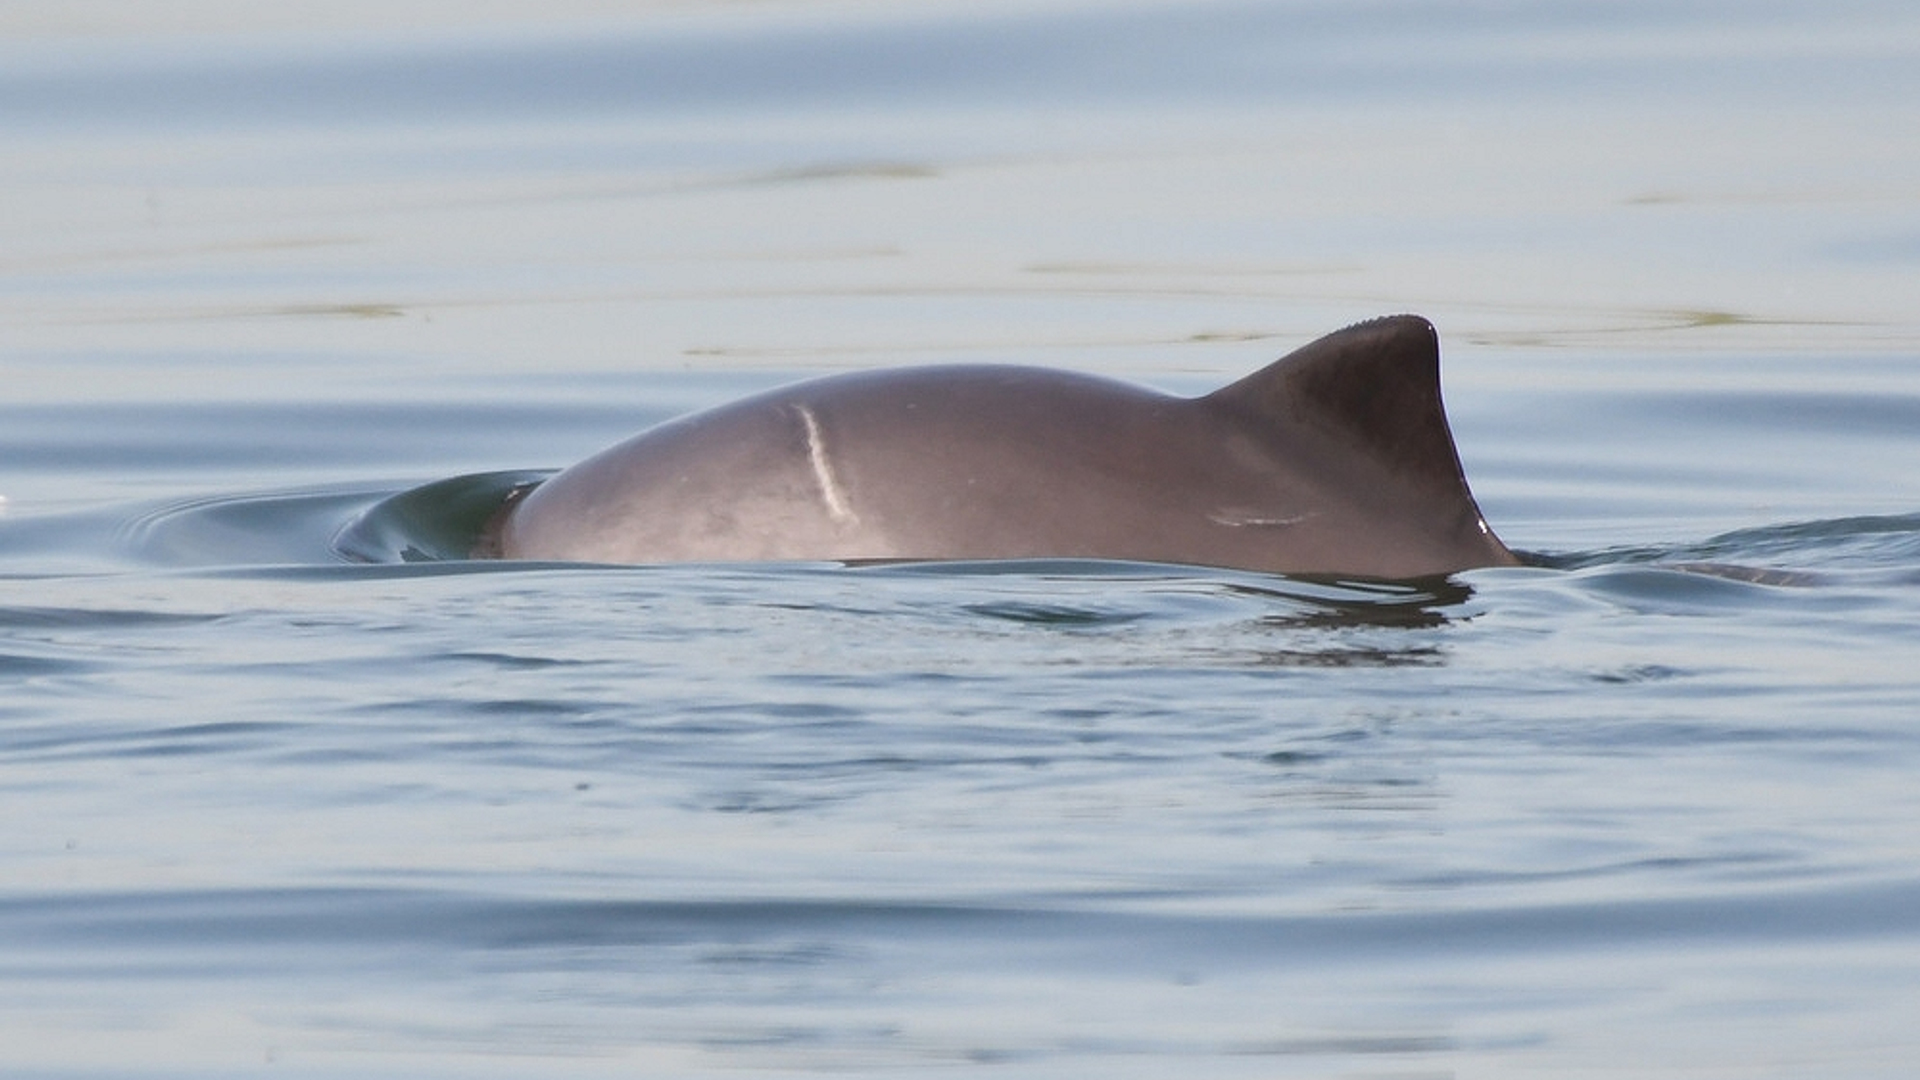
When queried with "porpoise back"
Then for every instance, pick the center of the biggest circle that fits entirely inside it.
(1336, 459)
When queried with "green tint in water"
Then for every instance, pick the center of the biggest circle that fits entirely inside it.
(436, 522)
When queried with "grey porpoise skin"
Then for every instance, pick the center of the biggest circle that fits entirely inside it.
(1336, 459)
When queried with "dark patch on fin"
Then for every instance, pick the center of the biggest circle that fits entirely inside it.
(1374, 385)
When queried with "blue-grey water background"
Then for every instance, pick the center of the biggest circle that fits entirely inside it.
(1641, 808)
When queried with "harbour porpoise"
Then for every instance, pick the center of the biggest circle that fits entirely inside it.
(1335, 460)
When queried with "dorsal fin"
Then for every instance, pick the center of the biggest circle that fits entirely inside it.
(1375, 385)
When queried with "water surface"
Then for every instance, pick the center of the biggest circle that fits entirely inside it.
(292, 785)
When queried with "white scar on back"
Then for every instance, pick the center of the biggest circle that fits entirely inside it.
(830, 489)
(1236, 518)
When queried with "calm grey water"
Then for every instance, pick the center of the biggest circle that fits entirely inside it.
(1647, 806)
